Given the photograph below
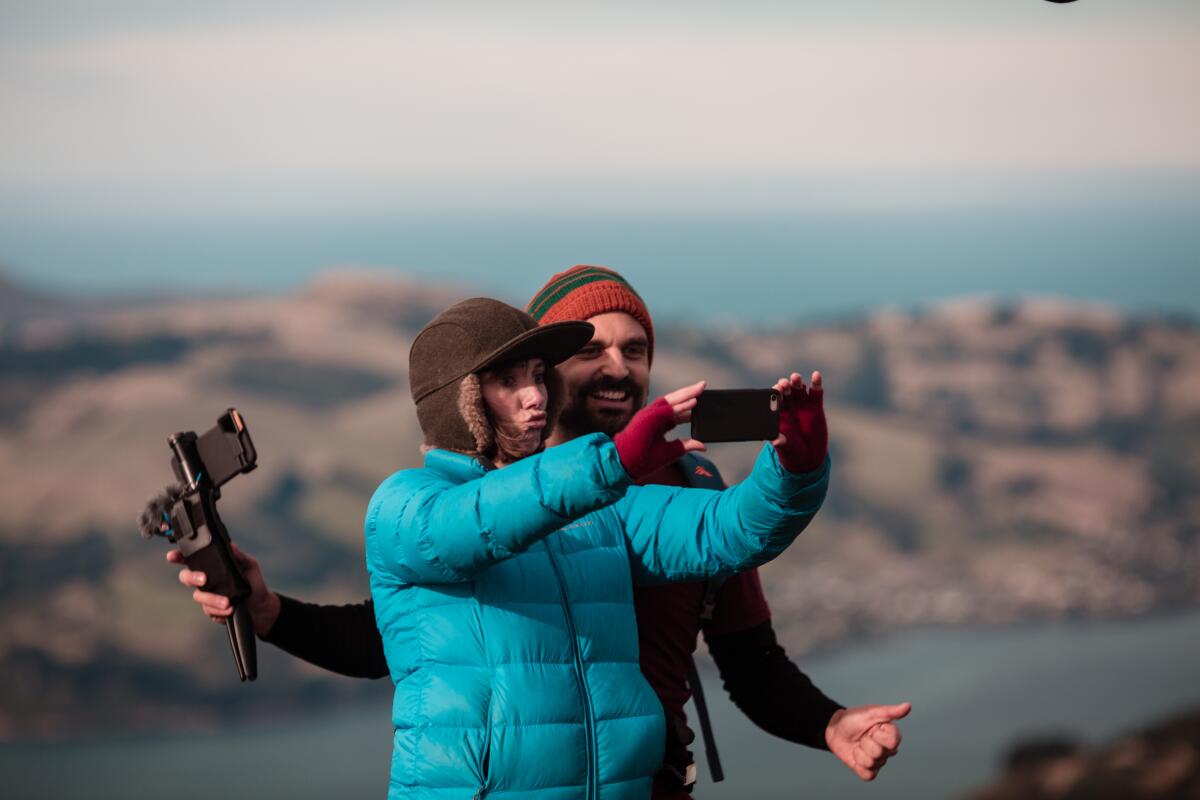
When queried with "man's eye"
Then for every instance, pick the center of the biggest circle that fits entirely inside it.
(636, 351)
(589, 353)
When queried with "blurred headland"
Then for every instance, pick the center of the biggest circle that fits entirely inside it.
(1162, 761)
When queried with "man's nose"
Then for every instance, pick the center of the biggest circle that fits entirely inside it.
(614, 363)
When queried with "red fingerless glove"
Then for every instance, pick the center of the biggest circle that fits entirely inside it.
(642, 446)
(802, 422)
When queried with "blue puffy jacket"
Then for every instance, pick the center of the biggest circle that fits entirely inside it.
(513, 651)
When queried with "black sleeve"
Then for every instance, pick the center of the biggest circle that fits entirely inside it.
(341, 639)
(769, 688)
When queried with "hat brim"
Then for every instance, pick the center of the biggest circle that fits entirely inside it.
(554, 343)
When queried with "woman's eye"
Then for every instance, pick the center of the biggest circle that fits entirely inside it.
(539, 378)
(508, 381)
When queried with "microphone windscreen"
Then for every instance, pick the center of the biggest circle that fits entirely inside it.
(158, 511)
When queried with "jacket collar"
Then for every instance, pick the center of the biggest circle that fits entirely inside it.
(458, 467)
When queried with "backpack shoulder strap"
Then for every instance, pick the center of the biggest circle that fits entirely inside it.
(700, 473)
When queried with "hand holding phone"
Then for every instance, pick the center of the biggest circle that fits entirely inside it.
(803, 439)
(791, 415)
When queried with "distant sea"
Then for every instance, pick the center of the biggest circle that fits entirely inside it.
(756, 269)
(973, 692)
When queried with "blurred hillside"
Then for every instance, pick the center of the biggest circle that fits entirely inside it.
(1162, 761)
(993, 464)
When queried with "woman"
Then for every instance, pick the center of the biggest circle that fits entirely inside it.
(502, 575)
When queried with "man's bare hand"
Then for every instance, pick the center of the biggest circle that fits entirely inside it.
(262, 603)
(864, 738)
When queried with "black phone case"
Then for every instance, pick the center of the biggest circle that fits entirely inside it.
(736, 415)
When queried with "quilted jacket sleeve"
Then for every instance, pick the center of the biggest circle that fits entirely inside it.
(422, 527)
(691, 534)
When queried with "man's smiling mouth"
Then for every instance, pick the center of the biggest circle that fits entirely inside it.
(610, 395)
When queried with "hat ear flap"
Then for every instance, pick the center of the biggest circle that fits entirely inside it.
(474, 413)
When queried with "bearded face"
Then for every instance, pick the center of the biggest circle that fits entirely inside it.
(603, 405)
(607, 381)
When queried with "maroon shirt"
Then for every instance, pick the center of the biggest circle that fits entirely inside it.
(669, 623)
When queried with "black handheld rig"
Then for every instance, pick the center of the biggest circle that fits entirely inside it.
(186, 515)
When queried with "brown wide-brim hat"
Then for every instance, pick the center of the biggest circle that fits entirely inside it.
(467, 338)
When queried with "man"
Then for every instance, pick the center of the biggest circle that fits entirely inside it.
(606, 383)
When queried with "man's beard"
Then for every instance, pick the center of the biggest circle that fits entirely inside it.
(577, 419)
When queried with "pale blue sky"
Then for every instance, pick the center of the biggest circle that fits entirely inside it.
(149, 93)
(64, 18)
(306, 116)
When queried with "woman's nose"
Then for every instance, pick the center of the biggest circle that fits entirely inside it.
(533, 397)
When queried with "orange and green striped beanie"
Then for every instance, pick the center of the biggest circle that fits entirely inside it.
(584, 291)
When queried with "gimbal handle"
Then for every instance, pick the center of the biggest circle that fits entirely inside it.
(204, 543)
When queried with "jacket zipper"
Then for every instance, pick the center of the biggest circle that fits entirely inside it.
(486, 766)
(588, 713)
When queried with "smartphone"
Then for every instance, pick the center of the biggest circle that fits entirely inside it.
(736, 415)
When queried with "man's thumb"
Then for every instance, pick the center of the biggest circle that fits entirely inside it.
(888, 713)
